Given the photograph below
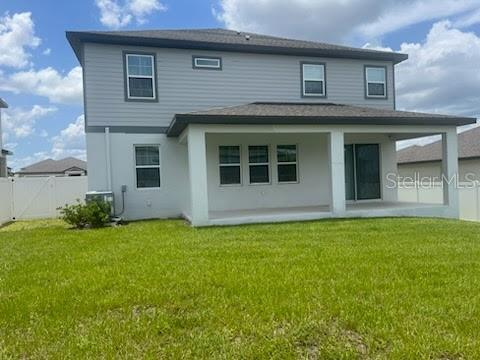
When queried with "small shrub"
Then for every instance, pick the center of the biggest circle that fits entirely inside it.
(98, 213)
(75, 215)
(93, 214)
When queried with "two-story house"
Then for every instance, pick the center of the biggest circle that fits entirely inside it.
(3, 152)
(227, 127)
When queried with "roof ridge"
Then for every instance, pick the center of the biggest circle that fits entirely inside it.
(228, 40)
(288, 103)
(240, 32)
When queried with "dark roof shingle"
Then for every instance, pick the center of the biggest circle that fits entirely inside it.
(50, 166)
(468, 147)
(226, 40)
(261, 113)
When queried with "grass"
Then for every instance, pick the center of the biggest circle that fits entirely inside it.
(335, 289)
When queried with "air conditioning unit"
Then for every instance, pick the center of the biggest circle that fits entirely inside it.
(104, 196)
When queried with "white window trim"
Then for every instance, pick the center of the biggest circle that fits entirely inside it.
(220, 165)
(384, 83)
(154, 92)
(219, 62)
(308, 79)
(269, 182)
(147, 167)
(288, 163)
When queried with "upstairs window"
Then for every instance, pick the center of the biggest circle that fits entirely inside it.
(229, 161)
(313, 79)
(258, 163)
(376, 82)
(206, 62)
(140, 77)
(147, 166)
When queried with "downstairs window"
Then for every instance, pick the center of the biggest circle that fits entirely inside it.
(147, 166)
(229, 163)
(258, 164)
(287, 163)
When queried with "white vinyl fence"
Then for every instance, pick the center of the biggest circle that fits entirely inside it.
(38, 197)
(469, 197)
(5, 200)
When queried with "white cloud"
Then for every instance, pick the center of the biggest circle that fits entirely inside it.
(20, 123)
(469, 19)
(376, 47)
(115, 14)
(333, 20)
(47, 51)
(16, 163)
(442, 73)
(16, 34)
(48, 82)
(400, 14)
(11, 146)
(70, 141)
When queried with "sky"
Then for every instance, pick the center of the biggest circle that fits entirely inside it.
(40, 77)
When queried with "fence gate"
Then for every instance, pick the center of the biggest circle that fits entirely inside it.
(40, 197)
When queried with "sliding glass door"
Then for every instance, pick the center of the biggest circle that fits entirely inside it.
(362, 171)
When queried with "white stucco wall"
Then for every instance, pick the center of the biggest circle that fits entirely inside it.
(172, 199)
(168, 201)
(312, 189)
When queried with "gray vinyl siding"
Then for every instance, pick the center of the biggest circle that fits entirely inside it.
(244, 78)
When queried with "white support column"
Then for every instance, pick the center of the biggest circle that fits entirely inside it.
(197, 166)
(337, 172)
(450, 171)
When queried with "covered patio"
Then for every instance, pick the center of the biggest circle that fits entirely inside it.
(344, 156)
(359, 209)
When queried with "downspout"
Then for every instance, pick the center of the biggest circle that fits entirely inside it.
(109, 171)
(108, 158)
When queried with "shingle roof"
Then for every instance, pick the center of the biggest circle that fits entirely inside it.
(3, 104)
(260, 113)
(50, 166)
(6, 152)
(468, 147)
(226, 40)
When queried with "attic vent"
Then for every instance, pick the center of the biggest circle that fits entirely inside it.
(247, 37)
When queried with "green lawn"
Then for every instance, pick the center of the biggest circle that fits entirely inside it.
(377, 288)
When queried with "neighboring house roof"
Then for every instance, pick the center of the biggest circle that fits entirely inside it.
(3, 104)
(225, 40)
(6, 152)
(261, 113)
(468, 147)
(50, 166)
